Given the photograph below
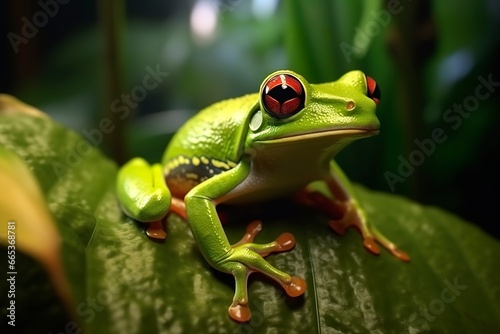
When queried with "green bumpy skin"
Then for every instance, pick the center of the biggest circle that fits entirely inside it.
(258, 147)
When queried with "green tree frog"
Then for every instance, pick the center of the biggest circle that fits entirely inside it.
(253, 148)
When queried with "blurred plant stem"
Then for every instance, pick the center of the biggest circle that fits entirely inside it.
(112, 17)
(411, 42)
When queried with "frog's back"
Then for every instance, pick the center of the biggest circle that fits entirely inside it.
(207, 144)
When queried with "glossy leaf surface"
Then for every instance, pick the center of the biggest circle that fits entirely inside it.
(122, 282)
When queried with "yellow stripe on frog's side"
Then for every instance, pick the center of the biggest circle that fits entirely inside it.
(183, 173)
(204, 160)
(195, 161)
(220, 164)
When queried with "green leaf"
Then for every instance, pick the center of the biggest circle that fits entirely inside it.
(122, 282)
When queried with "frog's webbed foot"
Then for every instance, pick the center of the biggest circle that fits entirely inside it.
(248, 257)
(371, 235)
(155, 230)
(345, 214)
(352, 219)
(283, 243)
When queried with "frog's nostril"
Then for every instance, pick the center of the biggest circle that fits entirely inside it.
(373, 92)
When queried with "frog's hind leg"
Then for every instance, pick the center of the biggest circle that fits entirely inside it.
(178, 207)
(144, 195)
(155, 229)
(344, 212)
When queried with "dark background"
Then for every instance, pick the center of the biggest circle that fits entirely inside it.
(427, 57)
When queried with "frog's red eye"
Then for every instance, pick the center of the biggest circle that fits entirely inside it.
(373, 91)
(283, 96)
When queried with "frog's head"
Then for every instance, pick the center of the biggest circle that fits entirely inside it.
(291, 110)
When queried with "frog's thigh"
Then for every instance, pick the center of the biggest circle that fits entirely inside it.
(142, 191)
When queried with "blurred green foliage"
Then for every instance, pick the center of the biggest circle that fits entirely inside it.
(425, 55)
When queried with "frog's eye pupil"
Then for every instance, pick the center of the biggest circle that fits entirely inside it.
(283, 96)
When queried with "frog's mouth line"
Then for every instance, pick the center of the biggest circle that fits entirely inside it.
(327, 133)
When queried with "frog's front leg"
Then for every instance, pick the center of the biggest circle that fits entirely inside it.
(144, 196)
(345, 211)
(243, 258)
